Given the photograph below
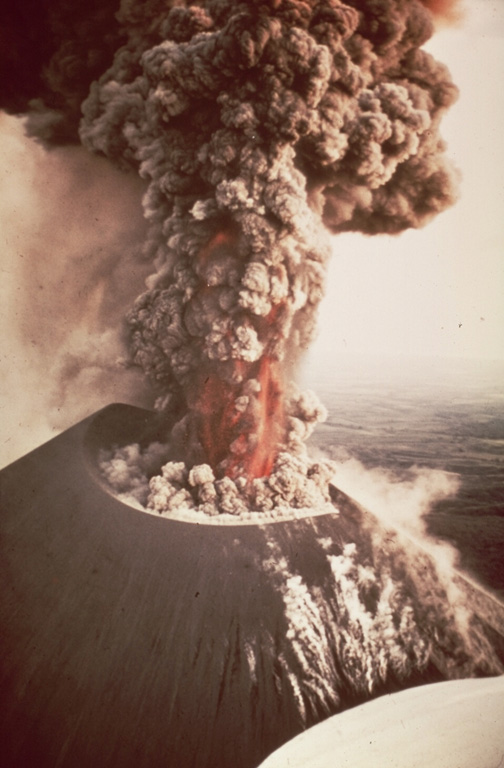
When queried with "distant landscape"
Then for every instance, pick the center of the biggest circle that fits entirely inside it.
(439, 414)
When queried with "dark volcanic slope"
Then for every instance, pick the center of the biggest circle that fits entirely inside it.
(131, 640)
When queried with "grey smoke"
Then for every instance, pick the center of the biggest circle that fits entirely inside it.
(259, 129)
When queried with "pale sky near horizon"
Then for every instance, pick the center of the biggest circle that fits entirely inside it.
(438, 291)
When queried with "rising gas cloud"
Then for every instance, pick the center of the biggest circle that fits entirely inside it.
(259, 129)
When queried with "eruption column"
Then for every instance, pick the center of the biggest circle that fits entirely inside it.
(221, 406)
(259, 128)
(256, 125)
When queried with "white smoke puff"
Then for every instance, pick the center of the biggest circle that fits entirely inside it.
(279, 284)
(245, 343)
(306, 405)
(121, 467)
(399, 499)
(167, 491)
(256, 293)
(238, 115)
(252, 654)
(175, 472)
(160, 494)
(207, 495)
(182, 361)
(297, 432)
(163, 402)
(217, 347)
(242, 484)
(305, 412)
(251, 387)
(311, 645)
(261, 495)
(323, 473)
(228, 497)
(203, 209)
(164, 498)
(209, 508)
(293, 483)
(258, 304)
(127, 469)
(201, 474)
(387, 118)
(234, 195)
(285, 477)
(310, 495)
(241, 403)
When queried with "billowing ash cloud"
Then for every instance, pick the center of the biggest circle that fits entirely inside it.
(259, 128)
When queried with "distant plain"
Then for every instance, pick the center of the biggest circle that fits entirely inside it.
(439, 414)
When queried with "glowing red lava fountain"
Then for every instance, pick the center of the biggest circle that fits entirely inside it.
(246, 436)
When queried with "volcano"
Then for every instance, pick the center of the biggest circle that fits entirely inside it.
(131, 639)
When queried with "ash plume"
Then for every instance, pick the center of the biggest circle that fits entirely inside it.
(259, 129)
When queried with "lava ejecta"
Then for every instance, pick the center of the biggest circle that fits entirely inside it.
(260, 128)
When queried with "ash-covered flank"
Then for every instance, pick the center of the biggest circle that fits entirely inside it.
(135, 641)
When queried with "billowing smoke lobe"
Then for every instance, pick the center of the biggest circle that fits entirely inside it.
(259, 128)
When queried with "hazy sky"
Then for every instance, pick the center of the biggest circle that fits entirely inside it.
(440, 290)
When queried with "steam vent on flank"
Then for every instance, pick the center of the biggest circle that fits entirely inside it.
(133, 639)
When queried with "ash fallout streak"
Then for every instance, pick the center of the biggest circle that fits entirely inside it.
(260, 128)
